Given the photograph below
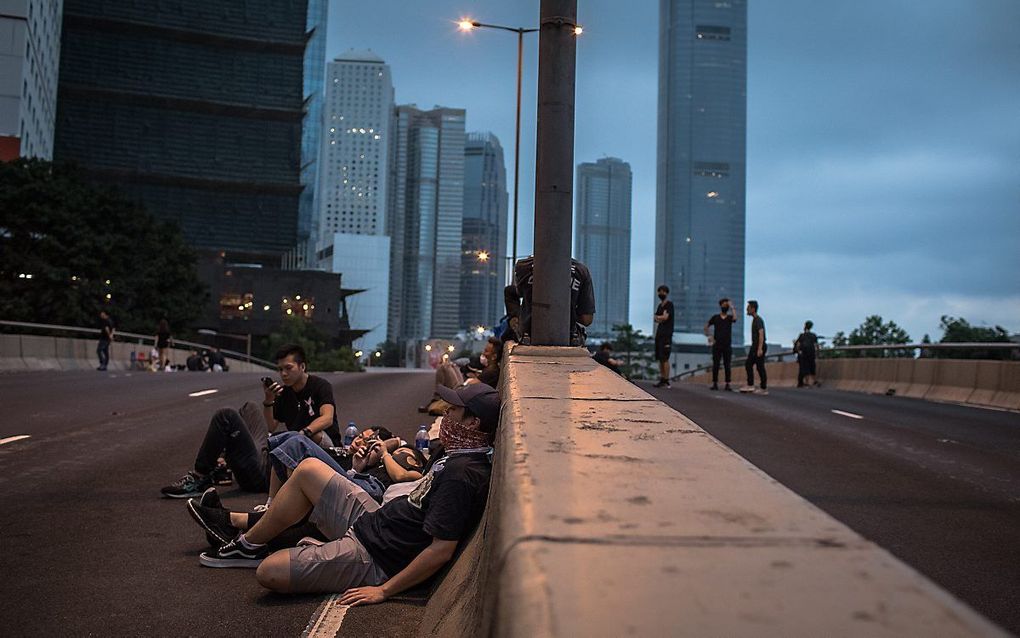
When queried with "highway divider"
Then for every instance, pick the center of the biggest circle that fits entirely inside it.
(610, 514)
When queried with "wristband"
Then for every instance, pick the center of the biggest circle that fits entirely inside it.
(269, 405)
(307, 432)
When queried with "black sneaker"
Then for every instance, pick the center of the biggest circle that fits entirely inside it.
(661, 384)
(714, 387)
(211, 498)
(234, 554)
(222, 475)
(191, 484)
(215, 522)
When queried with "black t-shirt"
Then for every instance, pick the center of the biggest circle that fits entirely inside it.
(664, 329)
(582, 293)
(807, 343)
(757, 324)
(104, 334)
(297, 409)
(723, 329)
(447, 505)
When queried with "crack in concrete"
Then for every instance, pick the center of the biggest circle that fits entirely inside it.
(692, 541)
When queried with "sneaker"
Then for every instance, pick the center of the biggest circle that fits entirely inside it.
(215, 522)
(762, 392)
(191, 484)
(234, 554)
(747, 388)
(211, 499)
(262, 509)
(728, 388)
(222, 475)
(713, 387)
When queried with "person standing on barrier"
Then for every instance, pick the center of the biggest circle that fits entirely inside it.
(722, 341)
(106, 330)
(756, 355)
(664, 322)
(806, 347)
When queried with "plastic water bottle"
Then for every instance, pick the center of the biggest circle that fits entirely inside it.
(421, 440)
(350, 434)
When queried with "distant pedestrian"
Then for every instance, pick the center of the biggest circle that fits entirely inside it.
(195, 362)
(604, 356)
(217, 362)
(756, 355)
(519, 304)
(164, 341)
(106, 330)
(806, 347)
(722, 341)
(664, 324)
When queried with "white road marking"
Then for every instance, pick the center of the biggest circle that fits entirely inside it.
(12, 439)
(202, 393)
(326, 621)
(849, 414)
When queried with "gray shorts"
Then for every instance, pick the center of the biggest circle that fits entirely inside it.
(343, 562)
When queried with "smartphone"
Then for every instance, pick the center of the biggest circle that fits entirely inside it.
(267, 381)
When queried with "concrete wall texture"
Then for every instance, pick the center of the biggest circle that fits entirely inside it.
(612, 515)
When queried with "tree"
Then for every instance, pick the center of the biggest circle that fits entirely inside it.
(873, 332)
(69, 249)
(629, 342)
(959, 330)
(320, 356)
(390, 355)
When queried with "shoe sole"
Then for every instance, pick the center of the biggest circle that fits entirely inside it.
(226, 563)
(188, 495)
(208, 530)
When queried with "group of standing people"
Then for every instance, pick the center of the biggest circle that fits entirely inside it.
(721, 340)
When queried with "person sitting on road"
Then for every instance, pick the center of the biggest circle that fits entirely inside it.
(489, 360)
(448, 375)
(195, 362)
(603, 357)
(303, 403)
(375, 552)
(217, 362)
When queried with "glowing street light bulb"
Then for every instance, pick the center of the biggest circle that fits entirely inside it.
(378, 354)
(578, 30)
(450, 348)
(428, 347)
(466, 24)
(358, 353)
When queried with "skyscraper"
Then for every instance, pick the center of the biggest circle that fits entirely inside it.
(602, 239)
(699, 229)
(194, 108)
(311, 132)
(426, 199)
(483, 241)
(29, 60)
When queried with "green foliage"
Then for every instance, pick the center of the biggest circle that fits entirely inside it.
(873, 332)
(959, 330)
(321, 357)
(72, 238)
(632, 346)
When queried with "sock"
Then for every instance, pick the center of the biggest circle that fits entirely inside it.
(247, 545)
(254, 517)
(269, 499)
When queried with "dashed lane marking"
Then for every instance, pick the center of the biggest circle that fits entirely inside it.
(202, 393)
(12, 439)
(326, 621)
(849, 414)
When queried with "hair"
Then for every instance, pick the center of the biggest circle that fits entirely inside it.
(753, 304)
(164, 325)
(663, 288)
(498, 346)
(606, 346)
(809, 325)
(291, 349)
(724, 300)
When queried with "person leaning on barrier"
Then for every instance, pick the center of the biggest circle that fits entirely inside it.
(806, 347)
(519, 303)
(603, 357)
(375, 552)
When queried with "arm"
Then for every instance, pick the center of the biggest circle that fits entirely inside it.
(396, 471)
(323, 421)
(424, 565)
(272, 392)
(761, 341)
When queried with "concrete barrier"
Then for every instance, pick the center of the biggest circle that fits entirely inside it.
(612, 515)
(10, 352)
(922, 378)
(1008, 393)
(987, 383)
(955, 380)
(39, 353)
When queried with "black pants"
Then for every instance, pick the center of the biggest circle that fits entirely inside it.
(243, 442)
(725, 353)
(805, 367)
(754, 361)
(103, 352)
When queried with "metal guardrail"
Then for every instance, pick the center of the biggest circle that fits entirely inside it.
(131, 336)
(779, 356)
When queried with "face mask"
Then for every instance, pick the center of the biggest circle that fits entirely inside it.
(663, 297)
(454, 435)
(484, 359)
(725, 309)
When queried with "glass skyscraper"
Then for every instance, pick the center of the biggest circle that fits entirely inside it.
(700, 215)
(426, 196)
(483, 242)
(195, 108)
(311, 132)
(602, 239)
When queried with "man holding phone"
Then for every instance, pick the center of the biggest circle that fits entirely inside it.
(299, 402)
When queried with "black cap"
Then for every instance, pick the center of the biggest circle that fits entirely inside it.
(481, 399)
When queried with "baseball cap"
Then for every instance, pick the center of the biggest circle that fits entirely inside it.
(481, 399)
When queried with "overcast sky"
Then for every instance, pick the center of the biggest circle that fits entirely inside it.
(883, 141)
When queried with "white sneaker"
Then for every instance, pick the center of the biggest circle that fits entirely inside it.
(747, 388)
(260, 508)
(761, 391)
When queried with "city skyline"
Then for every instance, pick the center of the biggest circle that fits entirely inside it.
(483, 232)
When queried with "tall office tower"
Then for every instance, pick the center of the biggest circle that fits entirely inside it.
(426, 199)
(483, 232)
(195, 108)
(29, 61)
(602, 240)
(699, 220)
(355, 146)
(311, 131)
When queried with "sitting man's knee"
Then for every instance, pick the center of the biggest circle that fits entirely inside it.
(274, 572)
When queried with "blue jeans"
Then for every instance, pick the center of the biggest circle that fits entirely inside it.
(287, 449)
(103, 352)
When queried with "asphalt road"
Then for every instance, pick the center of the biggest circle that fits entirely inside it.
(87, 545)
(937, 485)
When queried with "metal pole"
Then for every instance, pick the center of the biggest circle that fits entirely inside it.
(554, 173)
(248, 351)
(517, 146)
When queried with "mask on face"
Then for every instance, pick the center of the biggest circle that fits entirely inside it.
(724, 309)
(662, 296)
(484, 359)
(454, 435)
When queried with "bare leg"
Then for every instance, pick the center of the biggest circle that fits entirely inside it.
(294, 500)
(274, 484)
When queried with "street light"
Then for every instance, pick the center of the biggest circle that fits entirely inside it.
(483, 256)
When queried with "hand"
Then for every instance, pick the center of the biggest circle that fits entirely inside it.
(760, 352)
(273, 391)
(363, 596)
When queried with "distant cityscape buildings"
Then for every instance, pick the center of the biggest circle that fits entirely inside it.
(29, 63)
(700, 202)
(311, 131)
(426, 201)
(602, 238)
(483, 232)
(193, 108)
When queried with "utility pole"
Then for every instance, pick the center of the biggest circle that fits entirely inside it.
(554, 173)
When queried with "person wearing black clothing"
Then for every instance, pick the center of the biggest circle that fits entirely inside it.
(376, 552)
(664, 322)
(806, 346)
(163, 342)
(519, 304)
(299, 403)
(217, 362)
(722, 340)
(106, 330)
(602, 356)
(195, 362)
(756, 355)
